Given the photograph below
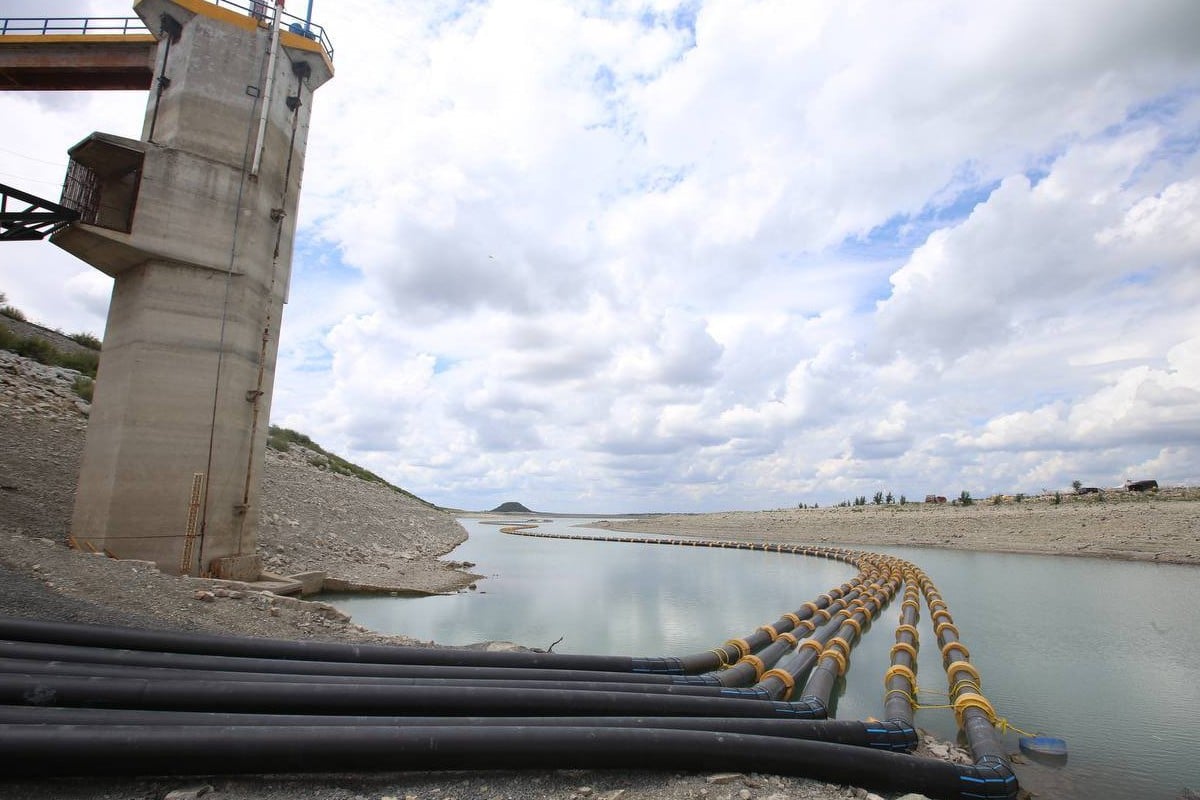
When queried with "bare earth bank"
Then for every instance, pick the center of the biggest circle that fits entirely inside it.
(1163, 527)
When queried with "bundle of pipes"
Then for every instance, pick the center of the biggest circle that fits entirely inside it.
(126, 701)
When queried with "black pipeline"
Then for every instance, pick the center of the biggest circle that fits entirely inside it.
(37, 751)
(895, 737)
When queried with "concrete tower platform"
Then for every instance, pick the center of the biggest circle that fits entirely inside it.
(195, 222)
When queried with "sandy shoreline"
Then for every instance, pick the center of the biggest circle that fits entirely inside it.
(1163, 528)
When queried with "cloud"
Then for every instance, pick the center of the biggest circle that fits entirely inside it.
(732, 253)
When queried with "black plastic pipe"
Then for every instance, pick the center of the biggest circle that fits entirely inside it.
(80, 669)
(41, 651)
(895, 737)
(26, 630)
(308, 698)
(38, 751)
(900, 680)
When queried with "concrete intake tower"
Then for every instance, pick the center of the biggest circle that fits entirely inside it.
(195, 223)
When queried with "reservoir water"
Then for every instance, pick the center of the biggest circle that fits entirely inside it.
(1104, 654)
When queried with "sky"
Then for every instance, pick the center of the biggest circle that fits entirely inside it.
(658, 255)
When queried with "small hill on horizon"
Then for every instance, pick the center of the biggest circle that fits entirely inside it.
(509, 507)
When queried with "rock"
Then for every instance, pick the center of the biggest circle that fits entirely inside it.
(188, 792)
(722, 778)
(205, 596)
(745, 794)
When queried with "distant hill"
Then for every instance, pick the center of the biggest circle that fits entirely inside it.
(511, 507)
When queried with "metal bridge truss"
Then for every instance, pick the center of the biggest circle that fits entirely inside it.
(26, 218)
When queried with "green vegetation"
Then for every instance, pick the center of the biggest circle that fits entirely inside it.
(964, 499)
(43, 352)
(10, 311)
(84, 386)
(85, 339)
(282, 439)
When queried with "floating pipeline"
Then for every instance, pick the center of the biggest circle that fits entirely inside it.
(288, 700)
(975, 715)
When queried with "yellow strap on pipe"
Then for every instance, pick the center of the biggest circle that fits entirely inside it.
(950, 646)
(972, 700)
(813, 644)
(853, 623)
(807, 624)
(769, 631)
(942, 626)
(905, 647)
(810, 605)
(789, 638)
(915, 604)
(962, 666)
(902, 671)
(757, 663)
(939, 614)
(904, 627)
(722, 657)
(792, 618)
(902, 693)
(839, 657)
(789, 683)
(838, 642)
(823, 612)
(740, 645)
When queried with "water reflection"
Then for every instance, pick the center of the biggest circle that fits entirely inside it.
(1103, 654)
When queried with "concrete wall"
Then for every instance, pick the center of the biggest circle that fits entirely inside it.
(197, 300)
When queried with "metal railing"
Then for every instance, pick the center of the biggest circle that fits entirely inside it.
(49, 26)
(259, 9)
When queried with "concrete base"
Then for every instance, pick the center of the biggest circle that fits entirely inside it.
(236, 568)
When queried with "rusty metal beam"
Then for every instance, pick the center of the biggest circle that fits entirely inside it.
(66, 62)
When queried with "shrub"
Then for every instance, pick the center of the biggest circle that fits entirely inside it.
(964, 499)
(878, 498)
(1019, 497)
(1057, 499)
(85, 339)
(889, 499)
(13, 312)
(84, 386)
(903, 499)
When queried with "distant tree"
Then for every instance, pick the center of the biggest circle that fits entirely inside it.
(903, 499)
(964, 499)
(889, 499)
(1057, 499)
(1076, 485)
(1019, 497)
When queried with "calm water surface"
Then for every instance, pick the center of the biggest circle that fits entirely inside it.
(1104, 654)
